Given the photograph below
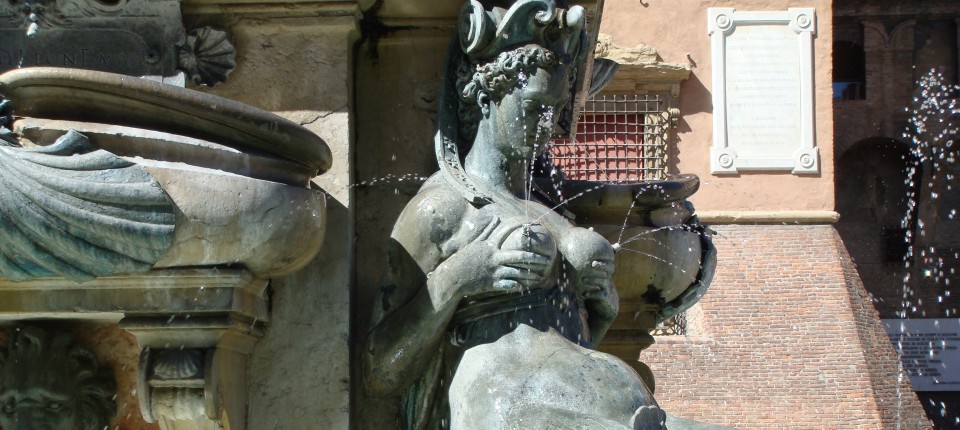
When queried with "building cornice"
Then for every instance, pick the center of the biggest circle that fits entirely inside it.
(768, 217)
(267, 8)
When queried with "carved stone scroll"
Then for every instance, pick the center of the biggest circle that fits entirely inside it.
(69, 210)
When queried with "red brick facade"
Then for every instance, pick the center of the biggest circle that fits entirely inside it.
(785, 338)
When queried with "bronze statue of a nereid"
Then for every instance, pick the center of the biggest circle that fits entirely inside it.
(492, 300)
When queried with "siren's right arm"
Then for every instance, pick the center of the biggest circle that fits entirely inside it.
(428, 272)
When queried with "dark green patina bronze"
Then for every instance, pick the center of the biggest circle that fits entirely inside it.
(492, 300)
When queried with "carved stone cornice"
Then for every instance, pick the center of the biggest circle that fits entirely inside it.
(639, 69)
(187, 294)
(196, 328)
(274, 9)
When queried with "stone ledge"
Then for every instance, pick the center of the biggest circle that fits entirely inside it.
(176, 293)
(264, 9)
(750, 217)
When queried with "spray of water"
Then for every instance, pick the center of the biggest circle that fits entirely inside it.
(932, 131)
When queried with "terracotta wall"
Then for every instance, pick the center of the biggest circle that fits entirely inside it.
(785, 338)
(678, 30)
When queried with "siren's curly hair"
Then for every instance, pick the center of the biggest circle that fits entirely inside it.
(34, 358)
(480, 84)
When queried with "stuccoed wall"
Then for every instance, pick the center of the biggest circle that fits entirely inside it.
(398, 75)
(296, 61)
(678, 30)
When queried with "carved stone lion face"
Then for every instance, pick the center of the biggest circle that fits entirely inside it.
(39, 409)
(48, 382)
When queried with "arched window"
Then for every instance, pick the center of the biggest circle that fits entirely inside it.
(849, 71)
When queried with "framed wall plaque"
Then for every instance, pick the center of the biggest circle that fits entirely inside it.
(763, 90)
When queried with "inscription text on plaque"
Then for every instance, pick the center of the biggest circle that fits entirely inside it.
(763, 90)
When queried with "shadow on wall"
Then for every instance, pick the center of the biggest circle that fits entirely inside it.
(872, 201)
(694, 98)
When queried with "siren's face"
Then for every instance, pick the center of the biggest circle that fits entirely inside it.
(527, 115)
(37, 409)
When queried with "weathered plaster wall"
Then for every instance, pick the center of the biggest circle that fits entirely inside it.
(678, 30)
(301, 68)
(400, 74)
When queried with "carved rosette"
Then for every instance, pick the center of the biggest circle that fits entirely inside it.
(207, 56)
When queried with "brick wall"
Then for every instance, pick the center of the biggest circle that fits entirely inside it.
(785, 338)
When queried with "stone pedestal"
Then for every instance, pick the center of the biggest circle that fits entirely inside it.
(195, 327)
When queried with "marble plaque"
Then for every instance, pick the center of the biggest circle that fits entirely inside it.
(131, 37)
(763, 90)
(930, 351)
(106, 50)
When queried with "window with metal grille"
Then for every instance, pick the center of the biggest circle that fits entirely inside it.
(620, 138)
(673, 326)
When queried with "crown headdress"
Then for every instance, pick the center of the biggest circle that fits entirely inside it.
(485, 32)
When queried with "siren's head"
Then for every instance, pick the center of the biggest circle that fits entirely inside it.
(519, 68)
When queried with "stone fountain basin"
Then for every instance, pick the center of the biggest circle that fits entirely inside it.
(237, 177)
(108, 98)
(660, 252)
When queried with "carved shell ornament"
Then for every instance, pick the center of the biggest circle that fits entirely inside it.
(483, 34)
(207, 56)
(178, 364)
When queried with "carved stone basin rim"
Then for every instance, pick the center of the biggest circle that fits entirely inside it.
(86, 95)
(645, 194)
(113, 175)
(609, 202)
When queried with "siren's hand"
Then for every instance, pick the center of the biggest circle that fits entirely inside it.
(519, 268)
(480, 267)
(595, 281)
(588, 262)
(599, 297)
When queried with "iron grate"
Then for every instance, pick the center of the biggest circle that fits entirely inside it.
(620, 138)
(673, 326)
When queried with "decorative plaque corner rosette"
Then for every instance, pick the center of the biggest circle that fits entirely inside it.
(763, 91)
